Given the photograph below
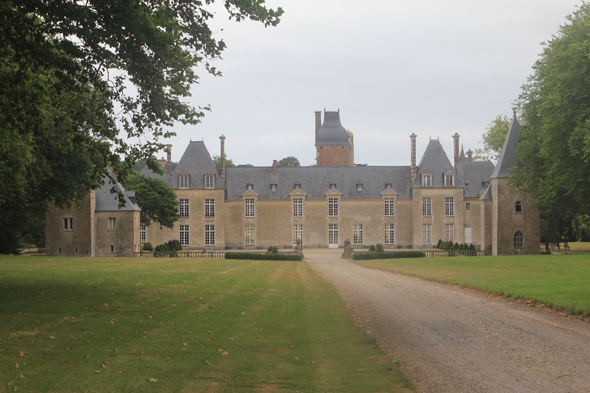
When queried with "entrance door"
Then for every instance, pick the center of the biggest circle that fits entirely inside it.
(333, 236)
(468, 235)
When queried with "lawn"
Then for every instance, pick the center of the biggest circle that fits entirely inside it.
(560, 281)
(181, 325)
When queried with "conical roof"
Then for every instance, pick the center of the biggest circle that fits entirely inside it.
(508, 155)
(331, 132)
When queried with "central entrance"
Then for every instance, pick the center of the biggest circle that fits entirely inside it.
(333, 236)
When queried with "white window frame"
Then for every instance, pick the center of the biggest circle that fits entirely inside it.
(209, 181)
(467, 206)
(249, 239)
(142, 234)
(449, 206)
(209, 235)
(250, 207)
(184, 235)
(184, 209)
(112, 224)
(297, 233)
(68, 224)
(209, 207)
(333, 207)
(297, 207)
(450, 233)
(389, 233)
(183, 181)
(427, 206)
(426, 234)
(449, 180)
(357, 234)
(332, 233)
(426, 180)
(389, 207)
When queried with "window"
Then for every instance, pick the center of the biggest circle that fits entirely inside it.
(142, 234)
(518, 207)
(485, 184)
(389, 233)
(112, 249)
(449, 232)
(112, 223)
(297, 186)
(249, 207)
(297, 234)
(449, 180)
(183, 181)
(387, 185)
(184, 235)
(209, 235)
(359, 186)
(389, 206)
(518, 240)
(297, 207)
(249, 241)
(184, 207)
(449, 206)
(357, 233)
(209, 207)
(468, 206)
(332, 186)
(250, 186)
(273, 187)
(76, 250)
(426, 180)
(426, 206)
(68, 224)
(332, 233)
(59, 250)
(209, 181)
(333, 207)
(426, 233)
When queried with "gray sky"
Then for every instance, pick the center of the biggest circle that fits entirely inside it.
(392, 67)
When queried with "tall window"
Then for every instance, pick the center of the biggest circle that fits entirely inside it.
(249, 241)
(357, 233)
(449, 232)
(249, 207)
(297, 207)
(449, 206)
(332, 233)
(112, 223)
(468, 206)
(209, 235)
(297, 233)
(426, 180)
(449, 179)
(426, 206)
(183, 181)
(518, 207)
(184, 207)
(389, 233)
(209, 181)
(68, 224)
(209, 207)
(184, 235)
(426, 233)
(389, 206)
(333, 207)
(142, 234)
(518, 240)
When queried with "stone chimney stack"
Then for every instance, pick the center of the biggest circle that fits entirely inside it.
(318, 121)
(274, 167)
(456, 138)
(413, 138)
(469, 155)
(169, 159)
(222, 159)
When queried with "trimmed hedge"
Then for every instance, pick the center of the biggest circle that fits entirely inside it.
(263, 257)
(388, 255)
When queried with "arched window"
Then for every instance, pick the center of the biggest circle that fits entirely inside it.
(518, 207)
(518, 240)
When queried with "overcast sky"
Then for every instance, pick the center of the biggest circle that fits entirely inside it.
(392, 67)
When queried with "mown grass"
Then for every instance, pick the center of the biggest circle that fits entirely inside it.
(559, 281)
(181, 325)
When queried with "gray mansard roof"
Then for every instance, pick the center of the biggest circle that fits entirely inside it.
(105, 201)
(474, 175)
(508, 156)
(332, 132)
(434, 162)
(315, 181)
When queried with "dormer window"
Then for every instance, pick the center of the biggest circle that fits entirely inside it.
(209, 181)
(273, 187)
(332, 186)
(426, 180)
(387, 185)
(485, 184)
(359, 186)
(298, 186)
(250, 186)
(449, 180)
(183, 181)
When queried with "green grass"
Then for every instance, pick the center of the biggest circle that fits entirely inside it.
(560, 281)
(96, 325)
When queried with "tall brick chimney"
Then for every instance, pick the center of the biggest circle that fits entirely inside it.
(469, 155)
(413, 138)
(318, 121)
(456, 138)
(222, 159)
(274, 167)
(169, 158)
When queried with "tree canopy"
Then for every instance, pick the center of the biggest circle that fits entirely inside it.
(156, 199)
(493, 139)
(229, 163)
(289, 161)
(554, 149)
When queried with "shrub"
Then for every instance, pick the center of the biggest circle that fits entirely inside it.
(263, 257)
(178, 245)
(471, 247)
(379, 248)
(456, 246)
(438, 245)
(371, 248)
(388, 255)
(147, 246)
(272, 250)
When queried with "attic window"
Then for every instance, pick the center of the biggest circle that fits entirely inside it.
(426, 180)
(485, 184)
(297, 186)
(183, 181)
(250, 186)
(359, 186)
(332, 186)
(273, 187)
(209, 181)
(449, 180)
(388, 185)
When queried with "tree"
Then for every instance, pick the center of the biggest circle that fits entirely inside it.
(228, 162)
(289, 161)
(554, 149)
(88, 86)
(493, 139)
(156, 199)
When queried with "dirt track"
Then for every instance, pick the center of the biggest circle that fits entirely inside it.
(454, 340)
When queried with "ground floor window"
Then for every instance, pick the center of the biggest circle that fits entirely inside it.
(389, 233)
(142, 234)
(209, 235)
(357, 233)
(426, 233)
(518, 240)
(249, 241)
(298, 234)
(450, 232)
(184, 235)
(333, 234)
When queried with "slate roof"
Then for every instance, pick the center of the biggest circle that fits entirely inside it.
(332, 132)
(315, 181)
(473, 175)
(487, 196)
(508, 155)
(105, 201)
(436, 162)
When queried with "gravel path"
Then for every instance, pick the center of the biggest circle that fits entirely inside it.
(455, 340)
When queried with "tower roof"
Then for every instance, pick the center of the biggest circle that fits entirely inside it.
(508, 155)
(332, 132)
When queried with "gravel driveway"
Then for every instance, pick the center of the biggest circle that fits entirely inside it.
(455, 340)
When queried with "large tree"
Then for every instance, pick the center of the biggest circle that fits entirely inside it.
(493, 139)
(156, 199)
(289, 161)
(554, 149)
(90, 85)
